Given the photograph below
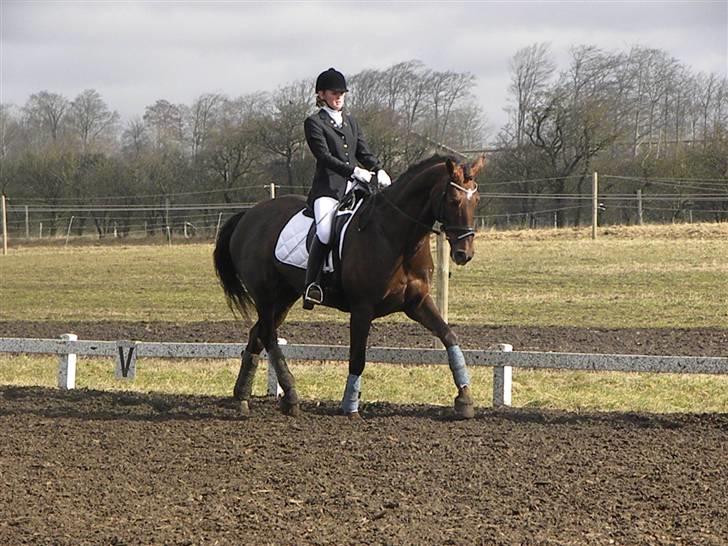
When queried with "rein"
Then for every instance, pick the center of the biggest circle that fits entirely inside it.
(465, 231)
(391, 203)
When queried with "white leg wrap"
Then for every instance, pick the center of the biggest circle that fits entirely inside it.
(350, 402)
(457, 366)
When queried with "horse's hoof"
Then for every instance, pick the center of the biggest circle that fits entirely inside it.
(289, 406)
(244, 408)
(464, 407)
(354, 416)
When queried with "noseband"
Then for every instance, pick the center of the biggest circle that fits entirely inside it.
(451, 231)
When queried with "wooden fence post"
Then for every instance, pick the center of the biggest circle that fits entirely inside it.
(639, 207)
(67, 366)
(443, 274)
(217, 229)
(68, 231)
(5, 226)
(595, 204)
(442, 277)
(502, 379)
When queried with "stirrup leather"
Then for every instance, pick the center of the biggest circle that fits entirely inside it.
(314, 293)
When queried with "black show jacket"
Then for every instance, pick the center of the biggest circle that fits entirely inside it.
(336, 150)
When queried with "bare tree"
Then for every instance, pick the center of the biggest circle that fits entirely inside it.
(280, 129)
(202, 118)
(135, 137)
(574, 122)
(91, 118)
(531, 69)
(446, 89)
(45, 112)
(232, 149)
(164, 121)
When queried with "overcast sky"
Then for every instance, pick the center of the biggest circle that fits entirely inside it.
(134, 53)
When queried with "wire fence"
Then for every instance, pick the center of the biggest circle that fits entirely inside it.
(623, 200)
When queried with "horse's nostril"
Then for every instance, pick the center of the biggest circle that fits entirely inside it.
(461, 257)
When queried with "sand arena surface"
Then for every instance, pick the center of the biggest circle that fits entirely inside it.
(91, 467)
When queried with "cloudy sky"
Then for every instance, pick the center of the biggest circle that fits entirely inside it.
(134, 53)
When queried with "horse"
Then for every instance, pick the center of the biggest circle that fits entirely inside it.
(386, 267)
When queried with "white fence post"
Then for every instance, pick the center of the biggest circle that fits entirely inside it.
(502, 379)
(274, 389)
(67, 366)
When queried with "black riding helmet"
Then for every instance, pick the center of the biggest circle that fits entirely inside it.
(331, 80)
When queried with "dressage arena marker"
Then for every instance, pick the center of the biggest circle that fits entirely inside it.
(501, 358)
(126, 360)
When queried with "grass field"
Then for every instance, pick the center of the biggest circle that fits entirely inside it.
(675, 276)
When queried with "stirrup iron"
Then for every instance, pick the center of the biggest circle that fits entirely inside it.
(314, 294)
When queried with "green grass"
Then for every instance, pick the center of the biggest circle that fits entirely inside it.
(674, 276)
(679, 280)
(566, 390)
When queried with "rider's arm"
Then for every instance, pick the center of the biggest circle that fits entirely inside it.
(320, 149)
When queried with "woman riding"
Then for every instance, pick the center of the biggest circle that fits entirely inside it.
(337, 143)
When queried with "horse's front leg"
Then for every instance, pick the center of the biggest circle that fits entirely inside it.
(427, 314)
(359, 325)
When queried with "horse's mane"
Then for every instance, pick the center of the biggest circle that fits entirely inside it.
(414, 170)
(398, 186)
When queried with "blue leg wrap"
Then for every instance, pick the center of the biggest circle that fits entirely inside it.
(457, 366)
(350, 402)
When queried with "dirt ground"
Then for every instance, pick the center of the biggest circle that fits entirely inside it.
(90, 467)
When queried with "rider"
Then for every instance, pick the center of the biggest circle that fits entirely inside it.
(337, 142)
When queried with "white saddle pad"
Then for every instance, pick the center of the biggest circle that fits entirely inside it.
(291, 244)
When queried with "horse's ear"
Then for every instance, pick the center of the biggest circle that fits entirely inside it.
(455, 171)
(477, 165)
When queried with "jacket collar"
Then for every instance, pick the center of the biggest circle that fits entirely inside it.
(330, 122)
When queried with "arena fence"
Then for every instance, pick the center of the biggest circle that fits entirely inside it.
(501, 358)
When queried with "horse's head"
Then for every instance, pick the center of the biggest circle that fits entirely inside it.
(456, 211)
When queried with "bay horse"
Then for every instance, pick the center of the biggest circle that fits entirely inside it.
(386, 267)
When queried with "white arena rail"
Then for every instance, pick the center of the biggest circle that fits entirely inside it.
(501, 357)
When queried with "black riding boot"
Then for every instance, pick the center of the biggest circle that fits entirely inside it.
(313, 293)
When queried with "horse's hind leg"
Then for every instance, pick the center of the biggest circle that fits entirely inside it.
(270, 318)
(248, 366)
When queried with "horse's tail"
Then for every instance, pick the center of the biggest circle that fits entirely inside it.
(238, 298)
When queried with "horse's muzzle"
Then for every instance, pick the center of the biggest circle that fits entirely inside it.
(461, 257)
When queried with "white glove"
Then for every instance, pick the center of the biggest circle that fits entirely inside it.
(383, 178)
(362, 175)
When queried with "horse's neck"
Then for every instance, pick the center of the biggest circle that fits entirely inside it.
(413, 217)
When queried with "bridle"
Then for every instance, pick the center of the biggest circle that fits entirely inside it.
(464, 231)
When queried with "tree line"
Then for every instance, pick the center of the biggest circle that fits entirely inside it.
(640, 114)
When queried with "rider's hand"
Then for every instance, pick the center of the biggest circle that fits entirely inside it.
(383, 178)
(362, 175)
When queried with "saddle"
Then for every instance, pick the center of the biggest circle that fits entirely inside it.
(295, 238)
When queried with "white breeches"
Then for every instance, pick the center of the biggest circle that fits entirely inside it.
(324, 209)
